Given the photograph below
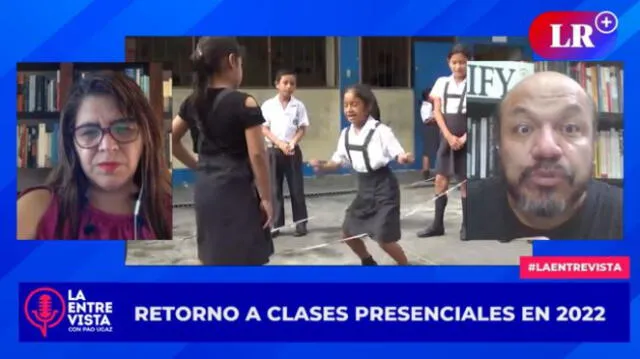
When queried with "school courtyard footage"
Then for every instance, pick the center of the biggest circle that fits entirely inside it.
(398, 81)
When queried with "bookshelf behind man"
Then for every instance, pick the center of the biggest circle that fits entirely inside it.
(603, 81)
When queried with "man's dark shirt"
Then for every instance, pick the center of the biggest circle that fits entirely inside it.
(491, 217)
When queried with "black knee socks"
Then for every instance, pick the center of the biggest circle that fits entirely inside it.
(463, 228)
(464, 211)
(437, 226)
(441, 204)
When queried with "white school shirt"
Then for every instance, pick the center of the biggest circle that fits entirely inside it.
(284, 122)
(454, 89)
(383, 148)
(426, 111)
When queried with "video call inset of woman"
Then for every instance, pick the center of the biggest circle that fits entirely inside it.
(112, 179)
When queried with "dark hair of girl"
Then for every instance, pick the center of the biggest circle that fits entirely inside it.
(208, 59)
(364, 93)
(375, 110)
(459, 49)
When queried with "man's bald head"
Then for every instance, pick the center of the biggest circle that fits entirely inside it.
(548, 84)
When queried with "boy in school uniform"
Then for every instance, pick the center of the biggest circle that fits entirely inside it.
(285, 124)
(450, 112)
(369, 146)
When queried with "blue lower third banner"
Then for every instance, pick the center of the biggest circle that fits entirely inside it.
(291, 312)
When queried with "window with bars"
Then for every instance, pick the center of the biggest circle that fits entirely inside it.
(256, 61)
(385, 61)
(307, 56)
(174, 51)
(495, 52)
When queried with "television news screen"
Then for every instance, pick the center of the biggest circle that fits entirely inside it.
(189, 184)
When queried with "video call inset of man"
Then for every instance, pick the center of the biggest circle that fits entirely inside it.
(547, 129)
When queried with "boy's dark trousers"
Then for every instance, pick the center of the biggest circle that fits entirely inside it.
(289, 167)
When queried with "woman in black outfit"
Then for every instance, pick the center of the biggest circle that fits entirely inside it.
(232, 198)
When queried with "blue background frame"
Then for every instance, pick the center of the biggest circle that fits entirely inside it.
(82, 30)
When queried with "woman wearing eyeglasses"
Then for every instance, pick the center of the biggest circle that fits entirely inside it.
(112, 180)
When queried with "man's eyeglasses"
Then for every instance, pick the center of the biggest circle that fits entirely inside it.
(90, 135)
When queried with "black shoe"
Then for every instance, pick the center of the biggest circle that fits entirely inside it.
(369, 261)
(301, 230)
(432, 231)
(426, 174)
(274, 234)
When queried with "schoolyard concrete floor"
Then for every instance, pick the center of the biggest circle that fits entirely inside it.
(328, 198)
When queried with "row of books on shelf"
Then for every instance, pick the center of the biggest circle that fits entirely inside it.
(483, 161)
(608, 158)
(39, 92)
(136, 74)
(603, 82)
(37, 145)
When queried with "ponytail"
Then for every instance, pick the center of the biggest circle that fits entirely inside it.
(198, 98)
(375, 110)
(207, 60)
(200, 84)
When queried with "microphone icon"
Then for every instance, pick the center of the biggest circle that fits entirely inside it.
(47, 309)
(44, 314)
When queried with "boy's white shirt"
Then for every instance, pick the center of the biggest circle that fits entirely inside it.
(426, 111)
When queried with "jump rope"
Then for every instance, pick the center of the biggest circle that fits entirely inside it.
(417, 209)
(410, 213)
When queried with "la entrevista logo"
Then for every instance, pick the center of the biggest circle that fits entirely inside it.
(45, 308)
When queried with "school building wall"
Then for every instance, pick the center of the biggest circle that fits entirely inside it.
(399, 108)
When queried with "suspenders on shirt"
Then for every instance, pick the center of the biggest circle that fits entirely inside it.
(361, 148)
(447, 96)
